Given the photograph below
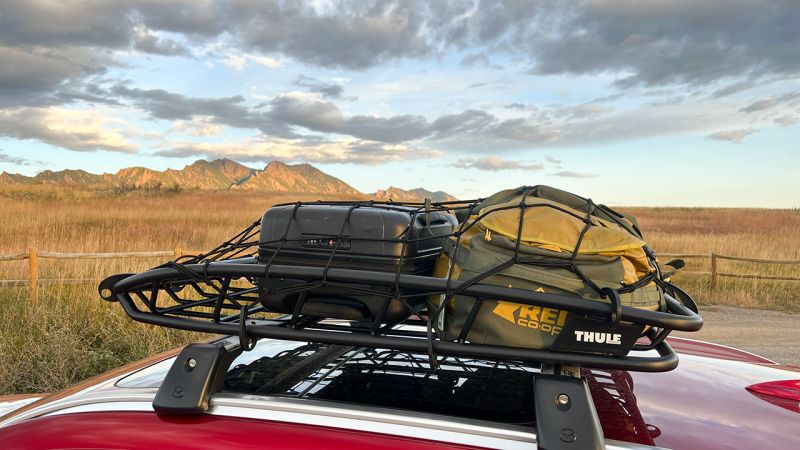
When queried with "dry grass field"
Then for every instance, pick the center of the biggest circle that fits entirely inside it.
(753, 233)
(71, 334)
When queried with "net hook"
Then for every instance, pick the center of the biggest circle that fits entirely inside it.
(616, 304)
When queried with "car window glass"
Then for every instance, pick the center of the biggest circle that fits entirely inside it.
(462, 387)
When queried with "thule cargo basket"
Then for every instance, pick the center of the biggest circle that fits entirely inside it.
(222, 292)
(262, 284)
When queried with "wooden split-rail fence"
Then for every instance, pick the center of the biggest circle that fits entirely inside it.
(33, 255)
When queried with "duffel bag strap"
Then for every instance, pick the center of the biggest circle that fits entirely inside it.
(680, 295)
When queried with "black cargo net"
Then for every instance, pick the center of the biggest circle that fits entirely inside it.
(227, 284)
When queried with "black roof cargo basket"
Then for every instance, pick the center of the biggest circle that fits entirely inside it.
(221, 292)
(206, 299)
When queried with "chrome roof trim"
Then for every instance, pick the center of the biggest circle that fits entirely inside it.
(387, 421)
(100, 400)
(381, 420)
(312, 412)
(9, 406)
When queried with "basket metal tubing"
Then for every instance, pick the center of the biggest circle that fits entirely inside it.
(666, 361)
(678, 318)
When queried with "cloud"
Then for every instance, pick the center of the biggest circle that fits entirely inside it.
(552, 159)
(147, 42)
(77, 130)
(786, 121)
(494, 164)
(239, 62)
(734, 136)
(326, 117)
(57, 54)
(476, 58)
(329, 90)
(57, 24)
(30, 77)
(734, 88)
(353, 35)
(230, 111)
(481, 130)
(671, 42)
(298, 115)
(641, 43)
(17, 161)
(197, 126)
(571, 174)
(262, 149)
(588, 110)
(770, 102)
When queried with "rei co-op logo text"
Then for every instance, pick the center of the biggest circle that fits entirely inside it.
(546, 320)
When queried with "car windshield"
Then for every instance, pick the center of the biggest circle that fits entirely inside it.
(462, 387)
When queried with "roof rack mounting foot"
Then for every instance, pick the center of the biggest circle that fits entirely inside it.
(196, 373)
(565, 414)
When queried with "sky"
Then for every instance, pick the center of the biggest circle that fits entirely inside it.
(653, 103)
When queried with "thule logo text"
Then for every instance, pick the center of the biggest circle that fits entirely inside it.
(598, 338)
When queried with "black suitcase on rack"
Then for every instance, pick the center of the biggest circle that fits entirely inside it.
(370, 240)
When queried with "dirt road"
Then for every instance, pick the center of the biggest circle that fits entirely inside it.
(774, 335)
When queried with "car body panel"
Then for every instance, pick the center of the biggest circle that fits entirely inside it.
(687, 346)
(111, 430)
(703, 404)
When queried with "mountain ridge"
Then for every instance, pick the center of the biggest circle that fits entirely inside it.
(219, 175)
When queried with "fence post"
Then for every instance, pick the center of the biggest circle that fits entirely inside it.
(33, 274)
(714, 273)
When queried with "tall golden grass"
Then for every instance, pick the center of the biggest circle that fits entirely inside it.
(72, 334)
(753, 233)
